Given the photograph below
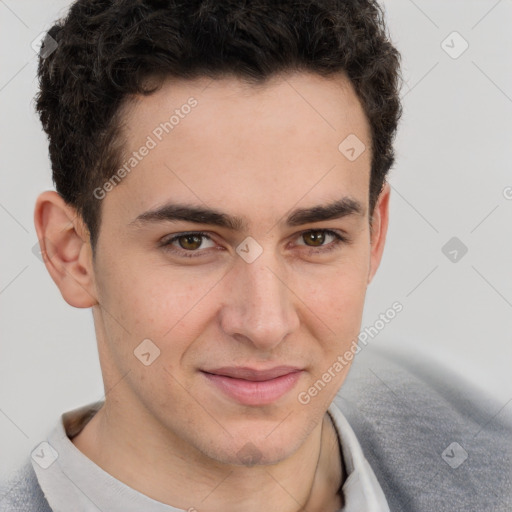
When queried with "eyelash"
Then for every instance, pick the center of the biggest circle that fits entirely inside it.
(338, 239)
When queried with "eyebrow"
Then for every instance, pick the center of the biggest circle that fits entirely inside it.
(172, 212)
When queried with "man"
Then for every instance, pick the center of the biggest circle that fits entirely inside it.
(221, 206)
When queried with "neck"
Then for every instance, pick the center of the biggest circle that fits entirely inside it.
(167, 470)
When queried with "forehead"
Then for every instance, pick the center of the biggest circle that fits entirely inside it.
(244, 149)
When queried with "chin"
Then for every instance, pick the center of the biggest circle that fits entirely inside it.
(255, 447)
(250, 454)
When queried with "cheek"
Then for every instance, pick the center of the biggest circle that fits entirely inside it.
(336, 299)
(346, 298)
(336, 293)
(155, 302)
(341, 310)
(336, 303)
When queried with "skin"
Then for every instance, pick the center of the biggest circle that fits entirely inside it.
(257, 153)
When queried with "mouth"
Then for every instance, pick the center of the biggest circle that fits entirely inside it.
(249, 386)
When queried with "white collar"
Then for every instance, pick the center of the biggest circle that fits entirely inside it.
(361, 489)
(71, 481)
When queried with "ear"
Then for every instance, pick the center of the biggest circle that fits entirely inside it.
(66, 250)
(379, 230)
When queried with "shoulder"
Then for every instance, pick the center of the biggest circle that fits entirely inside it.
(21, 491)
(434, 442)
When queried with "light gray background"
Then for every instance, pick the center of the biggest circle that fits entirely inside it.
(450, 179)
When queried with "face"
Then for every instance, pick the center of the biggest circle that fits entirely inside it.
(238, 244)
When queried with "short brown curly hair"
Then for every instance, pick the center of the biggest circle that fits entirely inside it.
(107, 49)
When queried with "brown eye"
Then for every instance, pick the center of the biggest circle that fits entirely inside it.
(322, 241)
(317, 238)
(190, 242)
(188, 245)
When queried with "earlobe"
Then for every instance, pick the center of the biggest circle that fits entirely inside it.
(379, 230)
(65, 247)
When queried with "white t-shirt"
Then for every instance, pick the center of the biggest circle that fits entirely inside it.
(71, 481)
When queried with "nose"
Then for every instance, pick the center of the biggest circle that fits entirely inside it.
(259, 308)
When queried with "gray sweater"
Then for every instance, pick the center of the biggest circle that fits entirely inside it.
(434, 443)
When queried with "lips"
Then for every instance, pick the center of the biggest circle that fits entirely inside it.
(253, 374)
(250, 386)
